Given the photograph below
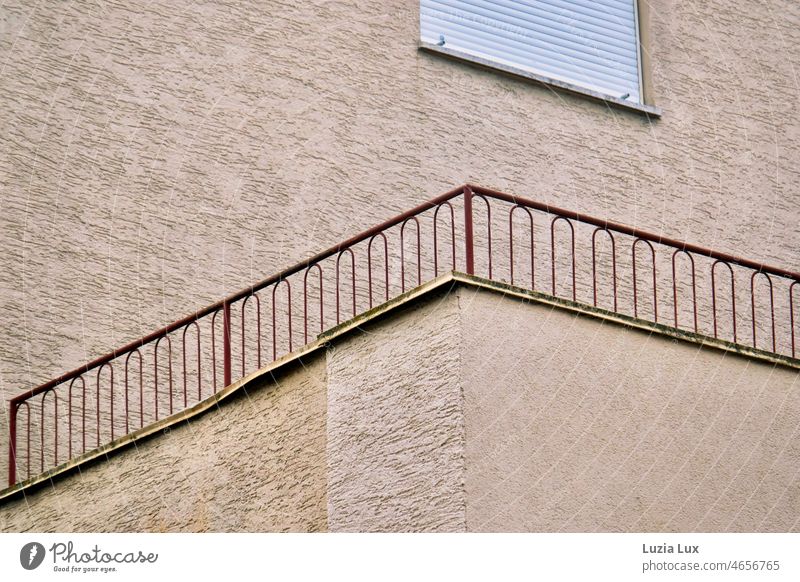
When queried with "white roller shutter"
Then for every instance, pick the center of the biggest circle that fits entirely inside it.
(589, 43)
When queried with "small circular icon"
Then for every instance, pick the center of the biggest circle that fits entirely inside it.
(31, 555)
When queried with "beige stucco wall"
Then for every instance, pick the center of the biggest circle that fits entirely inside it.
(396, 426)
(255, 463)
(575, 424)
(467, 410)
(158, 155)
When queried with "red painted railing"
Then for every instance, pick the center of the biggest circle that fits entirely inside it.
(545, 249)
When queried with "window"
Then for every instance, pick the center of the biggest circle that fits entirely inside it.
(587, 46)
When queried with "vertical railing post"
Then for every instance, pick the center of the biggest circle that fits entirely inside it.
(468, 236)
(226, 342)
(12, 444)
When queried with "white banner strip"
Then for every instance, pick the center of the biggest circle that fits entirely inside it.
(371, 557)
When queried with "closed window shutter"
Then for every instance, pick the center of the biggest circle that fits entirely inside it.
(589, 43)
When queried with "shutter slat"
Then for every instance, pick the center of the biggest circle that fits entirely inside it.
(589, 43)
(601, 10)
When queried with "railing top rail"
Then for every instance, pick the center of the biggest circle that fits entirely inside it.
(636, 232)
(239, 295)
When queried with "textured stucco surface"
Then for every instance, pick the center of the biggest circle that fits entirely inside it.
(256, 463)
(466, 410)
(160, 154)
(573, 424)
(396, 425)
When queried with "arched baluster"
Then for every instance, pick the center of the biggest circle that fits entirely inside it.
(435, 239)
(553, 253)
(675, 288)
(714, 296)
(274, 330)
(511, 243)
(403, 256)
(83, 414)
(199, 375)
(111, 399)
(613, 264)
(353, 265)
(386, 265)
(488, 227)
(305, 302)
(169, 371)
(771, 307)
(141, 390)
(41, 429)
(213, 350)
(258, 331)
(27, 438)
(791, 313)
(655, 292)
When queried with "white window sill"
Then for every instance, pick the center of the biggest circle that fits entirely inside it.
(650, 110)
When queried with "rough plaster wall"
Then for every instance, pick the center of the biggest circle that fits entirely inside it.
(395, 425)
(157, 155)
(577, 425)
(467, 412)
(257, 463)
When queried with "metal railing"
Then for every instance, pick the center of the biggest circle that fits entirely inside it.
(548, 249)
